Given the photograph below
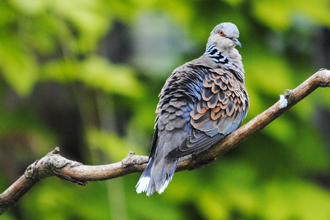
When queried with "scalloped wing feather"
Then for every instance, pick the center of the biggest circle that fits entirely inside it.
(221, 110)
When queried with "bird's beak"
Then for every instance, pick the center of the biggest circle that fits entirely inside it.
(236, 42)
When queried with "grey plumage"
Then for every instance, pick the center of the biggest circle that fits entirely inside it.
(201, 102)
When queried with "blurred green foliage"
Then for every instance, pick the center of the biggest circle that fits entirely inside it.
(269, 176)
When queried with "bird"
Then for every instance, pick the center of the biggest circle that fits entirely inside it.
(200, 103)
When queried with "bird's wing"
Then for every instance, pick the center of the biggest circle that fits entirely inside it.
(221, 110)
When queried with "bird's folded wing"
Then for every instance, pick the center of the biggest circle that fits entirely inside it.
(221, 110)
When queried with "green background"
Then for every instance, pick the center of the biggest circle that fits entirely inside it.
(85, 75)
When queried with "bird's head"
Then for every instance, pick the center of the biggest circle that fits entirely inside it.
(225, 36)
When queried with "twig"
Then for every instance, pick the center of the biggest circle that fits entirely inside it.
(55, 165)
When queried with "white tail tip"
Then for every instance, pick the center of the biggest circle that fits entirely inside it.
(142, 185)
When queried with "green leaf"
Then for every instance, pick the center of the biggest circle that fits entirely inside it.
(280, 14)
(96, 72)
(115, 147)
(293, 198)
(19, 66)
(100, 73)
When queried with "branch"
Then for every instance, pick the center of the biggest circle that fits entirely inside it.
(55, 165)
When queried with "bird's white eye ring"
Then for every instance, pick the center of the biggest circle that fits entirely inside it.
(222, 34)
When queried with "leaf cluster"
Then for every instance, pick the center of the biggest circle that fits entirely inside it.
(67, 43)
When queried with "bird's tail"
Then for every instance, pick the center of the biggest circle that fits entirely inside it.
(157, 175)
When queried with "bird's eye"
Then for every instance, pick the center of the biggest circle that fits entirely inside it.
(222, 34)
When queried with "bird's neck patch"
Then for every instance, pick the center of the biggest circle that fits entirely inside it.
(218, 57)
(215, 54)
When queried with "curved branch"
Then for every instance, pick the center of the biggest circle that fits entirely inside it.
(55, 165)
